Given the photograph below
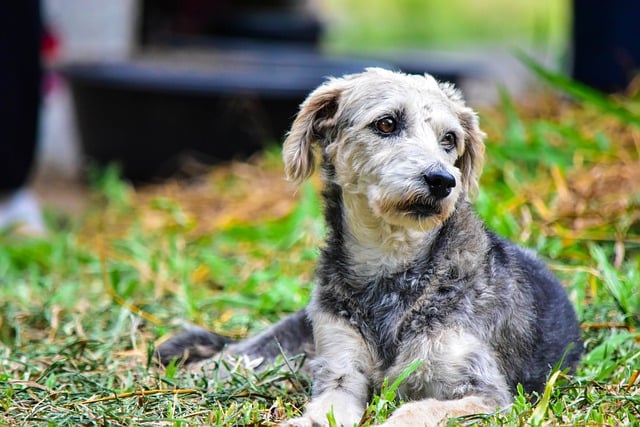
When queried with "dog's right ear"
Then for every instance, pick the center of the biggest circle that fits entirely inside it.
(314, 122)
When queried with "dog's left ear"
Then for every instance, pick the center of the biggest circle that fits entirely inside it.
(471, 161)
(316, 118)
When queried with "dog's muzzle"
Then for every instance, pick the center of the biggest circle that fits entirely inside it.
(440, 183)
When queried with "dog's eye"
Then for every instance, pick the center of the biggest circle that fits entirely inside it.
(387, 125)
(449, 140)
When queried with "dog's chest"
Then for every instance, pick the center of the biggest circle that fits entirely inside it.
(388, 309)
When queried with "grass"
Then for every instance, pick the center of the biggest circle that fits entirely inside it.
(81, 309)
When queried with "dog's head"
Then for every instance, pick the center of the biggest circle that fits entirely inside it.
(405, 145)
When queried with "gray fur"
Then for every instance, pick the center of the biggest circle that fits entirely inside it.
(291, 336)
(408, 271)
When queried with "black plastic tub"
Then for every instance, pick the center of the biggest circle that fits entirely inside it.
(148, 112)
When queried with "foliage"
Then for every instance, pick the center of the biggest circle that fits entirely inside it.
(81, 309)
(357, 25)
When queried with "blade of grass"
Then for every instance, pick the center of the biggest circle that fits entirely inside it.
(541, 409)
(134, 394)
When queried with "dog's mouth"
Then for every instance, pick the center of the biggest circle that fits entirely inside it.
(422, 209)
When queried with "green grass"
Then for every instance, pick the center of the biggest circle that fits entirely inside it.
(81, 310)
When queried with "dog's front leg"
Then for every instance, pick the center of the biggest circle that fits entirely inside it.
(341, 384)
(461, 374)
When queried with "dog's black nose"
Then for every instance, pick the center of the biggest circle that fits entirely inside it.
(440, 183)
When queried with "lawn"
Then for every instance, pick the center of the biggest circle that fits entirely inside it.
(234, 250)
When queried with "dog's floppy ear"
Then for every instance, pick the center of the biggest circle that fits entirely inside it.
(472, 159)
(313, 123)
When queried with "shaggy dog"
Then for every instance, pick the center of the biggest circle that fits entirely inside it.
(408, 271)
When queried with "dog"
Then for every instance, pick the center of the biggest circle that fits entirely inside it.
(408, 271)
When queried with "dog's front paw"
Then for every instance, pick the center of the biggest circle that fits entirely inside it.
(344, 409)
(432, 412)
(319, 418)
(311, 422)
(301, 422)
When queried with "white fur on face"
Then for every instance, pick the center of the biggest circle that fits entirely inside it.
(382, 177)
(389, 169)
(389, 210)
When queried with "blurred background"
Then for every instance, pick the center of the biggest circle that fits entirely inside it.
(167, 88)
(162, 86)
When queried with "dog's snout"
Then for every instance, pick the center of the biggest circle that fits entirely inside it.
(440, 183)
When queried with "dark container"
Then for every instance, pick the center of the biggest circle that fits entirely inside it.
(147, 113)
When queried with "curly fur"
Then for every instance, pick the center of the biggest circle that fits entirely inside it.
(408, 271)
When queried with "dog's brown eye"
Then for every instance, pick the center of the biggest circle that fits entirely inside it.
(449, 141)
(387, 125)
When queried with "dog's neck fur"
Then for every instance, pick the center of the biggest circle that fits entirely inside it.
(374, 248)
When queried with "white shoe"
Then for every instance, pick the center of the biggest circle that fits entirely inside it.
(21, 210)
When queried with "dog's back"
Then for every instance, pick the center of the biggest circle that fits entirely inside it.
(554, 330)
(557, 333)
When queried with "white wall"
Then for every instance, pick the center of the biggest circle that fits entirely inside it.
(93, 29)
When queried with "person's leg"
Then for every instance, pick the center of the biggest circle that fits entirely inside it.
(20, 93)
